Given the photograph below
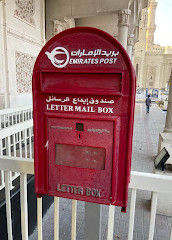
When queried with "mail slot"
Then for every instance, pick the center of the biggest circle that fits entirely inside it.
(97, 83)
(83, 102)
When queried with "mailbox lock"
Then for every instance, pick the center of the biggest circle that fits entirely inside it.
(79, 127)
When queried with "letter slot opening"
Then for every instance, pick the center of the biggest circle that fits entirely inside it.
(87, 83)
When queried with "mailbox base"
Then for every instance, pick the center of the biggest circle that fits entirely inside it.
(38, 195)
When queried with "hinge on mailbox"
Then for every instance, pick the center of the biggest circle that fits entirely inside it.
(46, 145)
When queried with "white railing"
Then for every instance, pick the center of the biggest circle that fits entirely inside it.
(154, 183)
(12, 116)
(16, 136)
(24, 167)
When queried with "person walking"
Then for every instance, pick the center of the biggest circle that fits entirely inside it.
(148, 102)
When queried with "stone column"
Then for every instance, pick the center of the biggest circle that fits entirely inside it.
(164, 206)
(151, 27)
(132, 59)
(4, 75)
(130, 45)
(141, 72)
(168, 123)
(1, 62)
(123, 25)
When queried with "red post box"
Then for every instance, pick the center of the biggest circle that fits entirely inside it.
(83, 100)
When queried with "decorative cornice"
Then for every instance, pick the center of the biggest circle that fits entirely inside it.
(60, 26)
(25, 11)
(153, 5)
(24, 37)
(124, 17)
(130, 40)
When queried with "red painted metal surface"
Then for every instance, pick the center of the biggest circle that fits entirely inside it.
(83, 99)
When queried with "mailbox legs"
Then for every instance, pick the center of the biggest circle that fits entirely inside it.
(93, 221)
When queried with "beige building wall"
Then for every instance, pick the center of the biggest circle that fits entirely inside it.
(152, 70)
(103, 22)
(153, 63)
(22, 25)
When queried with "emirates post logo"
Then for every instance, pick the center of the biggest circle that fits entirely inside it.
(59, 57)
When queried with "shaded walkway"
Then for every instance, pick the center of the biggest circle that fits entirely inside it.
(146, 136)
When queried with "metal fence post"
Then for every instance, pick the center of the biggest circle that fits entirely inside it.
(93, 219)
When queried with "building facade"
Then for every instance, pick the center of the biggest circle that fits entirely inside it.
(25, 26)
(153, 63)
(22, 36)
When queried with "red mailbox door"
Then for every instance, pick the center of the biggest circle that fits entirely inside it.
(80, 158)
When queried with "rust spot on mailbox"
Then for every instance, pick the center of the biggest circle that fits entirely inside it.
(83, 99)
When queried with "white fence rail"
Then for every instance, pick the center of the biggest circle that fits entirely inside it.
(12, 116)
(139, 181)
(16, 136)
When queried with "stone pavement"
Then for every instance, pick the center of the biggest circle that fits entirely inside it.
(146, 135)
(145, 145)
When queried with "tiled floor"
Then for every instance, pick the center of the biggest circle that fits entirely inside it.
(145, 145)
